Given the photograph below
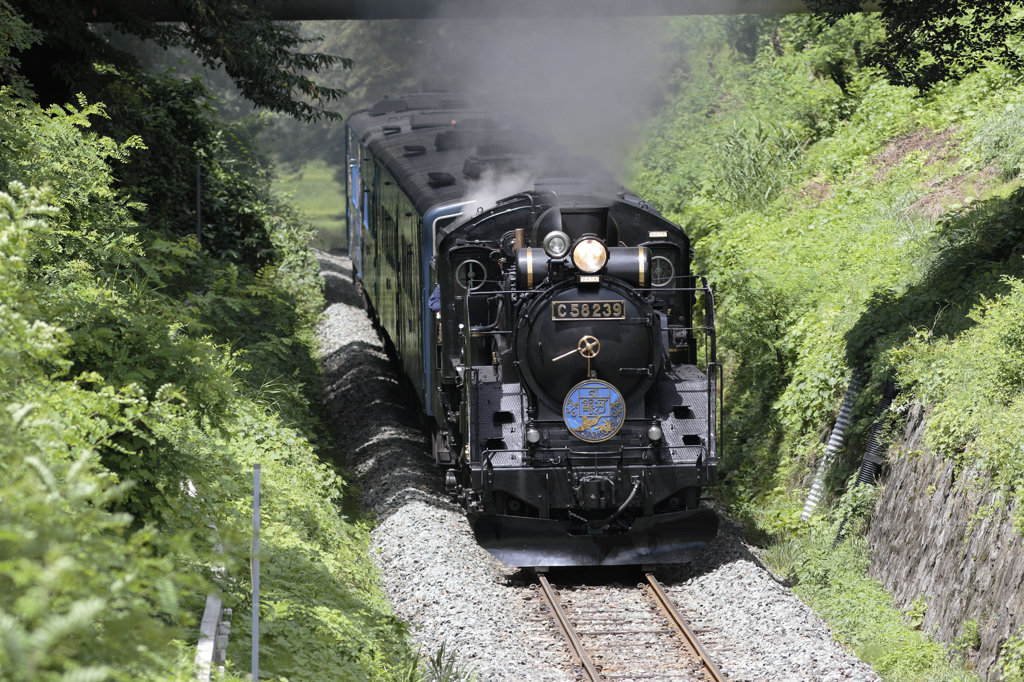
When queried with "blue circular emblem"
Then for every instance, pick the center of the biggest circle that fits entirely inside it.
(594, 410)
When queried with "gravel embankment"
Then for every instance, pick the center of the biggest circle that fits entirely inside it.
(454, 592)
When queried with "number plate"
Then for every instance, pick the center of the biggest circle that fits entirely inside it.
(588, 310)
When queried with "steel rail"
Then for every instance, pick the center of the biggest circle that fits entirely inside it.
(684, 630)
(571, 638)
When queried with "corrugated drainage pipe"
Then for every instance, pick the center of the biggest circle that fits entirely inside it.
(834, 443)
(873, 455)
(873, 459)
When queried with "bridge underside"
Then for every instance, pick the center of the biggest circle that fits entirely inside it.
(303, 10)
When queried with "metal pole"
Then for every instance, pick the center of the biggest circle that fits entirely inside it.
(255, 573)
(199, 207)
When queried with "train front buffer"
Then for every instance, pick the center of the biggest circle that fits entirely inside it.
(649, 538)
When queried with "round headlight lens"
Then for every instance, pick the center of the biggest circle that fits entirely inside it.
(556, 244)
(590, 255)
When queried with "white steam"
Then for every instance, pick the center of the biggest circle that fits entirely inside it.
(589, 82)
(492, 186)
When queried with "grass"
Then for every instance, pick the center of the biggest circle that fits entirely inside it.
(834, 582)
(848, 224)
(315, 191)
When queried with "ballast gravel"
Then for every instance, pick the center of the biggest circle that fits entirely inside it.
(490, 615)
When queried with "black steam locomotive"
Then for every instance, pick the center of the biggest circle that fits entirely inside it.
(555, 336)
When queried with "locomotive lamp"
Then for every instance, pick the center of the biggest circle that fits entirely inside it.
(533, 435)
(590, 255)
(654, 432)
(556, 244)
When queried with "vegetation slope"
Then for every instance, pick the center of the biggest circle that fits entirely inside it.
(848, 225)
(143, 372)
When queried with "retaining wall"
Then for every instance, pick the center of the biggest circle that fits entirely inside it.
(928, 539)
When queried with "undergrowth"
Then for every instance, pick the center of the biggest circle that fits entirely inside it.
(832, 578)
(142, 374)
(847, 224)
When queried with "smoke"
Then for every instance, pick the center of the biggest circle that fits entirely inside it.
(494, 185)
(588, 82)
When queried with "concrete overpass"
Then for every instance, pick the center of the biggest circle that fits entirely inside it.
(302, 10)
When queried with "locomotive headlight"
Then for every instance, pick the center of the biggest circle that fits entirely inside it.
(533, 435)
(654, 432)
(590, 255)
(556, 244)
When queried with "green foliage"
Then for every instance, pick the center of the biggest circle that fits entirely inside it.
(79, 593)
(804, 82)
(15, 35)
(782, 557)
(321, 608)
(981, 427)
(887, 241)
(261, 56)
(882, 114)
(318, 195)
(1011, 658)
(843, 265)
(969, 638)
(1000, 140)
(833, 580)
(389, 56)
(856, 507)
(916, 611)
(141, 377)
(938, 40)
(175, 119)
(754, 164)
(442, 667)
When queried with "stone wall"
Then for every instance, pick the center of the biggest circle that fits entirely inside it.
(928, 539)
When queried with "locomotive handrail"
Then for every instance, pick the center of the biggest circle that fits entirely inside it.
(467, 339)
(537, 292)
(580, 453)
(714, 368)
(491, 325)
(447, 230)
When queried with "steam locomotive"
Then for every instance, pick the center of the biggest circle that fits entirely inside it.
(561, 349)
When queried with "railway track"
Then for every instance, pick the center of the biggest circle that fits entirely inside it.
(637, 637)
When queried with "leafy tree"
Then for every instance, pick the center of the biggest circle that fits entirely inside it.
(931, 41)
(142, 375)
(16, 34)
(262, 57)
(180, 130)
(393, 56)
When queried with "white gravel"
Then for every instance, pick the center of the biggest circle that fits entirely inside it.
(454, 592)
